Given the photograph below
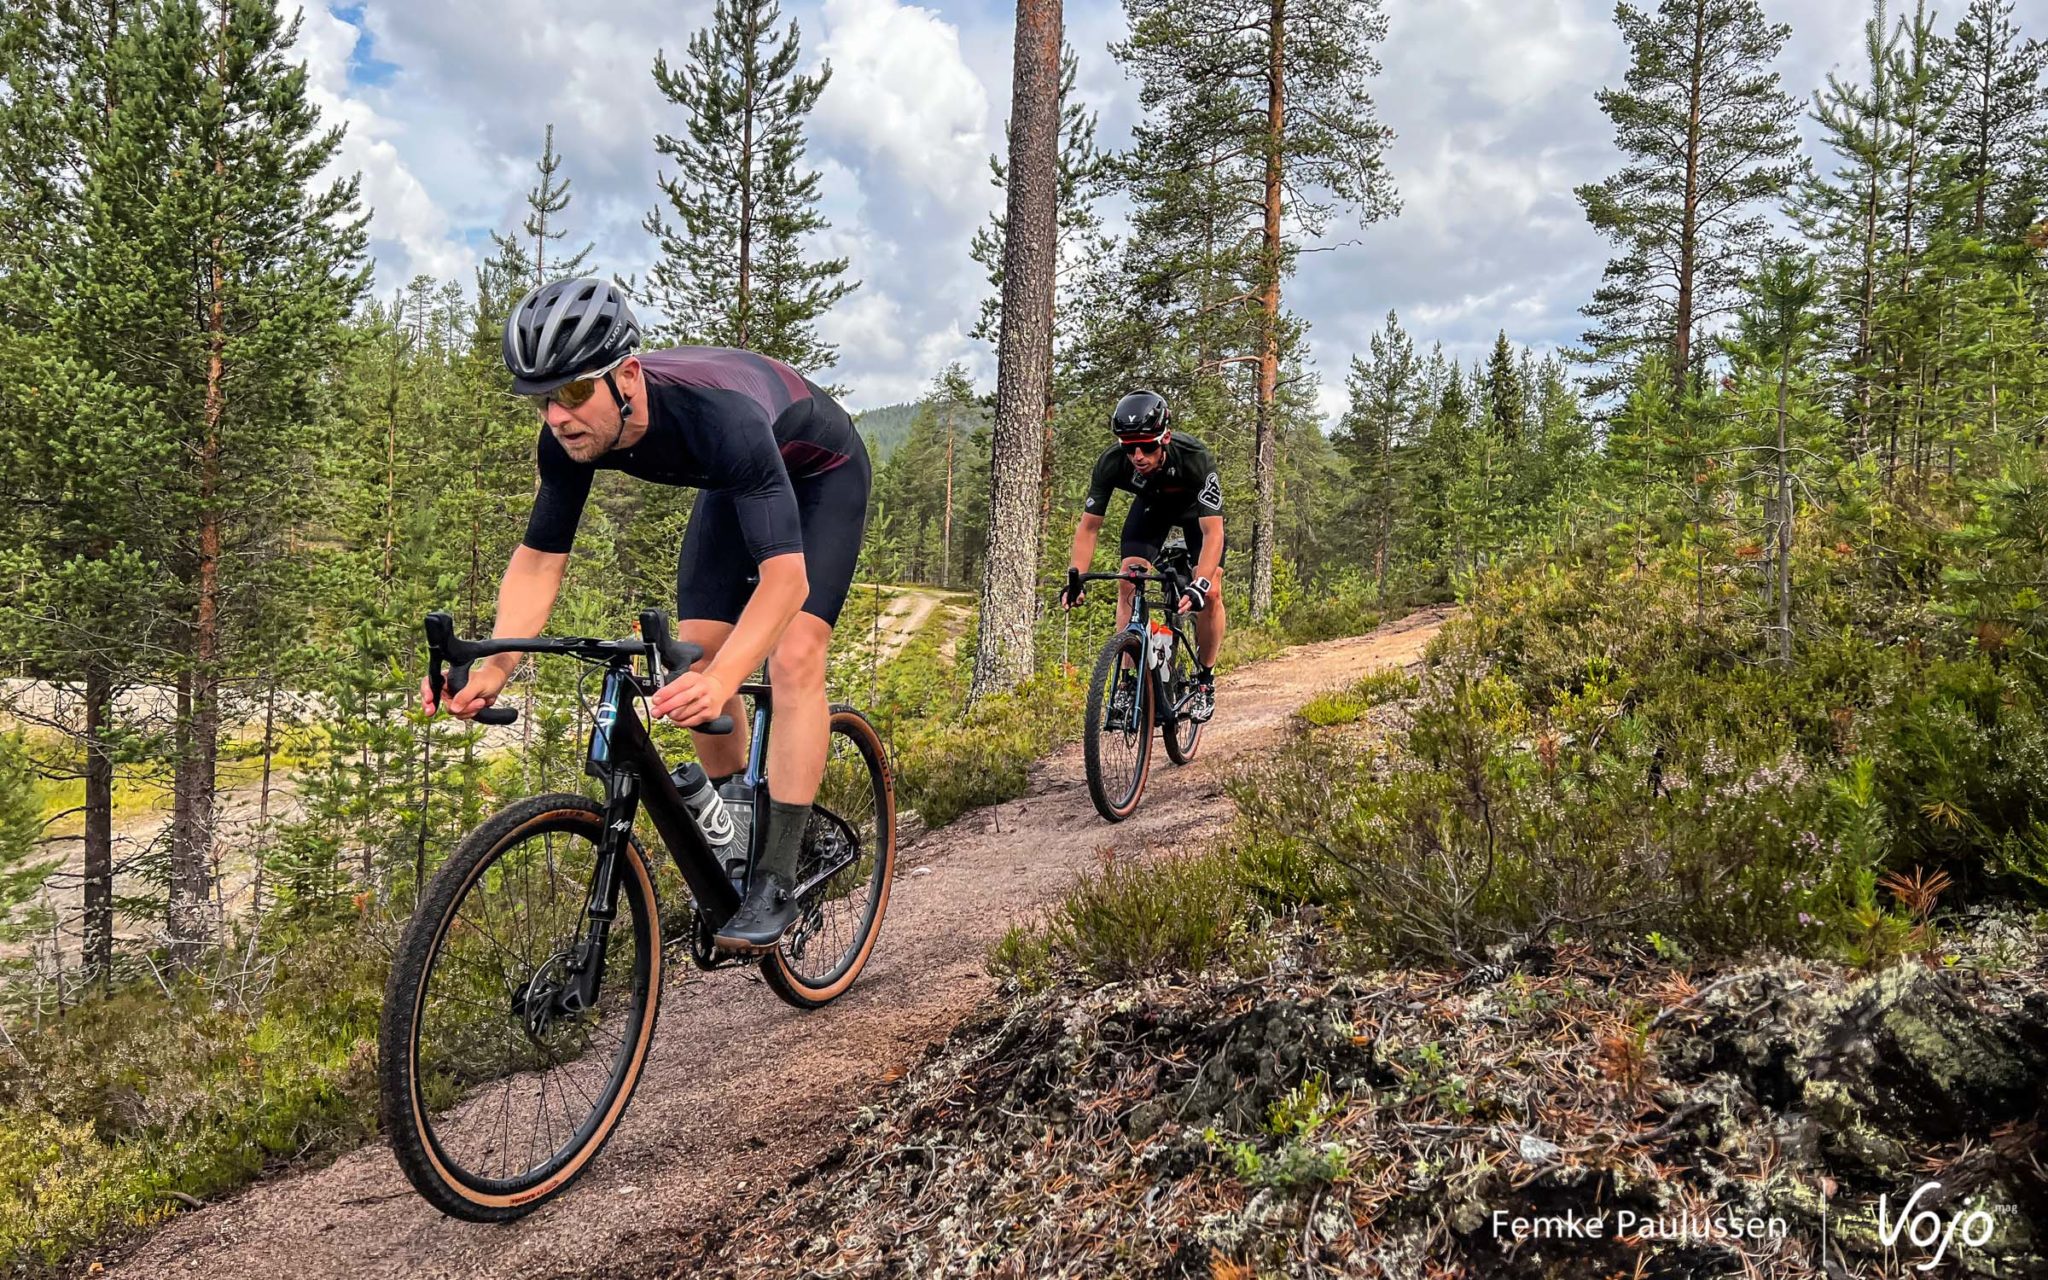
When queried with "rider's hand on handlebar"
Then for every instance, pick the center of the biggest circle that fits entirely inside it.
(691, 698)
(485, 680)
(1075, 590)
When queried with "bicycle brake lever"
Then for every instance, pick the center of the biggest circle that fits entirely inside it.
(444, 649)
(458, 677)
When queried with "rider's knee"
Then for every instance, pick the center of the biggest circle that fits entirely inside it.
(798, 660)
(706, 635)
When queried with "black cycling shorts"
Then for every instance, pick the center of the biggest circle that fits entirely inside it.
(1146, 527)
(715, 577)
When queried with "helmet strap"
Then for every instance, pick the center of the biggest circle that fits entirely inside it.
(625, 405)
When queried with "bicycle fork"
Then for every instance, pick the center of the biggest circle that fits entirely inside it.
(584, 962)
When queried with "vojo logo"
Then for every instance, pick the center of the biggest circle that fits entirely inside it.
(606, 715)
(1930, 1230)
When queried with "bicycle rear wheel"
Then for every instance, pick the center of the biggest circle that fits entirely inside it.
(851, 843)
(496, 1093)
(1117, 741)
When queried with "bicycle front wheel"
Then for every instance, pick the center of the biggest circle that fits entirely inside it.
(850, 853)
(1117, 741)
(498, 1087)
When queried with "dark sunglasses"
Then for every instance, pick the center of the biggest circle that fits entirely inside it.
(1140, 446)
(570, 395)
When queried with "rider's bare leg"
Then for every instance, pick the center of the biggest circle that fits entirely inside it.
(1209, 625)
(802, 715)
(721, 754)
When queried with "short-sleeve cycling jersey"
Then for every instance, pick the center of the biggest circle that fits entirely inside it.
(717, 419)
(1186, 483)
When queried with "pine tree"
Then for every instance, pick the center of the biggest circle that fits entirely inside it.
(1775, 335)
(68, 489)
(734, 272)
(1999, 108)
(1386, 395)
(1266, 106)
(1847, 215)
(1506, 393)
(544, 202)
(222, 277)
(1709, 135)
(519, 264)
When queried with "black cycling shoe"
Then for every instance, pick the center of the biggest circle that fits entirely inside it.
(1202, 702)
(762, 919)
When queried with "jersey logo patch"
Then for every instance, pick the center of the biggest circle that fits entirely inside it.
(1090, 503)
(1212, 492)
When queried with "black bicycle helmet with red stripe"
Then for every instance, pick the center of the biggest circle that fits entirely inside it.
(566, 329)
(1139, 416)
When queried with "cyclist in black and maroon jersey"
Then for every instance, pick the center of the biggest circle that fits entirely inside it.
(1174, 480)
(766, 562)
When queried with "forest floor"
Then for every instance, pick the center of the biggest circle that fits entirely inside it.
(741, 1093)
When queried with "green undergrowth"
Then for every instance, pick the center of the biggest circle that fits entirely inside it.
(1349, 705)
(111, 1114)
(948, 764)
(1603, 756)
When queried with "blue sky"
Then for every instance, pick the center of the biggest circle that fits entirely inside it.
(1491, 101)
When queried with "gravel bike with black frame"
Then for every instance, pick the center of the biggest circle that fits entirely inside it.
(1144, 677)
(523, 994)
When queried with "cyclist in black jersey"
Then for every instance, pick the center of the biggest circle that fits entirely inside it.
(765, 564)
(1174, 482)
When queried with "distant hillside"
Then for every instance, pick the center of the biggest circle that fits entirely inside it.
(884, 428)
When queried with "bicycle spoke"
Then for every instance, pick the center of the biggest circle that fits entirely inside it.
(537, 1077)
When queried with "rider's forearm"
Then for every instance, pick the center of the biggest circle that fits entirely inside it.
(1211, 566)
(527, 596)
(1083, 553)
(776, 599)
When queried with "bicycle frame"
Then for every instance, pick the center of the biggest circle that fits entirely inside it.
(622, 756)
(1181, 624)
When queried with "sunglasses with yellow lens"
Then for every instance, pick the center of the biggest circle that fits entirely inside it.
(570, 395)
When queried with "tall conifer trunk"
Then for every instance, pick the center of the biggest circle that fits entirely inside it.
(1264, 451)
(1005, 655)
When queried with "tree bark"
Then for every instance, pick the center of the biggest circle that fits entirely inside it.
(1264, 451)
(1004, 654)
(99, 829)
(192, 857)
(946, 531)
(1688, 231)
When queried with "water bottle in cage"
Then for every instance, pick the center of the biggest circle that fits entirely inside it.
(706, 807)
(1162, 643)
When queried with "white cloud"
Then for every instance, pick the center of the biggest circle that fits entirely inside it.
(902, 94)
(406, 219)
(1332, 400)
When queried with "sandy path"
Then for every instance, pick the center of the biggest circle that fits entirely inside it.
(742, 1091)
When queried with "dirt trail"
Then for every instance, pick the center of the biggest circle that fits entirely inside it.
(741, 1091)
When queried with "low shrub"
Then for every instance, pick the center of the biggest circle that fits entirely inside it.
(948, 765)
(135, 1100)
(1135, 918)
